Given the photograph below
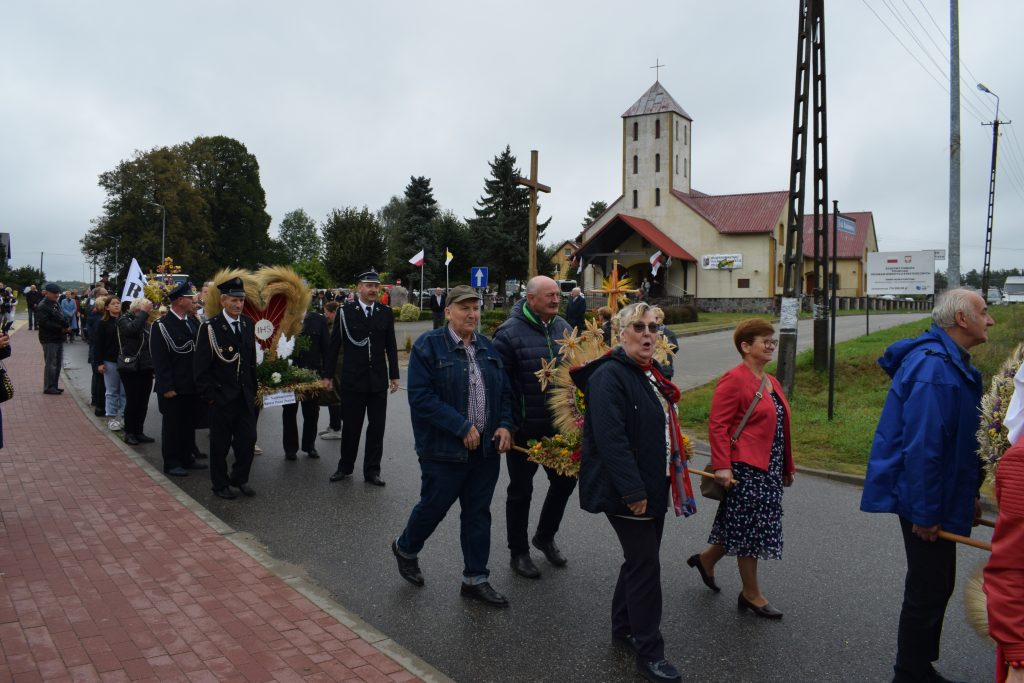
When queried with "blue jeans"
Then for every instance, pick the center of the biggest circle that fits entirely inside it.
(442, 483)
(115, 390)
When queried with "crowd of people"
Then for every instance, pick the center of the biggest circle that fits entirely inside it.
(474, 400)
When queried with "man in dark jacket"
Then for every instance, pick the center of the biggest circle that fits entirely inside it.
(576, 309)
(437, 306)
(526, 340)
(172, 346)
(225, 375)
(53, 329)
(461, 409)
(365, 334)
(924, 468)
(32, 299)
(314, 328)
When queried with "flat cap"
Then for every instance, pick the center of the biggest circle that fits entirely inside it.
(461, 293)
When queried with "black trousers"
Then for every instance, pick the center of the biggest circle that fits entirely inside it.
(517, 502)
(355, 405)
(231, 426)
(138, 386)
(931, 575)
(310, 416)
(334, 416)
(636, 603)
(177, 429)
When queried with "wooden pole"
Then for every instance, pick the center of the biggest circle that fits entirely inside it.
(534, 186)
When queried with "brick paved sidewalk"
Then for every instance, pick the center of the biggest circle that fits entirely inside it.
(105, 576)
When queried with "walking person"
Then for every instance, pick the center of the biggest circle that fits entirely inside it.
(105, 362)
(53, 329)
(923, 466)
(32, 299)
(461, 410)
(751, 456)
(96, 386)
(136, 374)
(314, 328)
(576, 309)
(333, 431)
(69, 306)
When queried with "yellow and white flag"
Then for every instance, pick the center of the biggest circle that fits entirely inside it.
(447, 256)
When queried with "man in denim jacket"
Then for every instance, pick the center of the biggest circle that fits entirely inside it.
(461, 407)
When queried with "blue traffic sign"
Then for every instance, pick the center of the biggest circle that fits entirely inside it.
(478, 276)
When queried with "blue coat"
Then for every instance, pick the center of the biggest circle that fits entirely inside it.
(924, 466)
(438, 389)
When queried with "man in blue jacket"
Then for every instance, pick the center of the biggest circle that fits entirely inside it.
(461, 409)
(923, 466)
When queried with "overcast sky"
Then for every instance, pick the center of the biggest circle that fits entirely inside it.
(341, 102)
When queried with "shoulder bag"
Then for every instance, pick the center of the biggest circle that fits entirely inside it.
(125, 363)
(709, 487)
(6, 385)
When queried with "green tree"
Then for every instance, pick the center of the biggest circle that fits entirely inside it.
(451, 233)
(416, 228)
(501, 227)
(391, 218)
(300, 236)
(315, 273)
(595, 210)
(21, 277)
(354, 242)
(971, 278)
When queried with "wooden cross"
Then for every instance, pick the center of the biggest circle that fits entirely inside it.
(657, 69)
(534, 186)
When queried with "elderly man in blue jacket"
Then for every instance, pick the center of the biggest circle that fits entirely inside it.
(923, 466)
(461, 408)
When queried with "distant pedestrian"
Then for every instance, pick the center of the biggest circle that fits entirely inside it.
(576, 309)
(924, 468)
(53, 329)
(69, 306)
(32, 299)
(437, 306)
(604, 317)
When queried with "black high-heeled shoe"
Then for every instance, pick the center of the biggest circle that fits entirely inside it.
(708, 580)
(765, 612)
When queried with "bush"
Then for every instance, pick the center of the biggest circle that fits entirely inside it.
(489, 320)
(680, 313)
(426, 314)
(409, 313)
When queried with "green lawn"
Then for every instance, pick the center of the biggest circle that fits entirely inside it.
(843, 444)
(711, 321)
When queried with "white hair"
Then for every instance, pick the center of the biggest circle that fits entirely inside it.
(135, 305)
(951, 302)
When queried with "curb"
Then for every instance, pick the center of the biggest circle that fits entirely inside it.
(316, 594)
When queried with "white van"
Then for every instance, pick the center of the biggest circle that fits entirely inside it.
(1013, 290)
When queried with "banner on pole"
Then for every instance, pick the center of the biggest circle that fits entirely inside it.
(418, 259)
(448, 256)
(134, 284)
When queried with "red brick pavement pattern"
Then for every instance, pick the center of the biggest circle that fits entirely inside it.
(106, 577)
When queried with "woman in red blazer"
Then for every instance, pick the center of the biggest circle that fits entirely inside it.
(1004, 573)
(754, 468)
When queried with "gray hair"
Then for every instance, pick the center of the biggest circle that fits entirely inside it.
(136, 305)
(630, 314)
(951, 302)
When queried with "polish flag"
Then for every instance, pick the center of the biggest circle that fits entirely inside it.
(656, 262)
(418, 259)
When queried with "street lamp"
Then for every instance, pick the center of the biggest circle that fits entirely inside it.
(163, 238)
(986, 268)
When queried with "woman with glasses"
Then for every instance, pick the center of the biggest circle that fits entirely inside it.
(753, 462)
(631, 447)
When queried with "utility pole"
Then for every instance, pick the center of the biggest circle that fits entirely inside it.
(953, 271)
(821, 209)
(986, 269)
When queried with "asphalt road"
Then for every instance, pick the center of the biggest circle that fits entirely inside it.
(839, 582)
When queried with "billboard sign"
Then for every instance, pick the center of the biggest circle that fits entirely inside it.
(847, 225)
(721, 261)
(901, 272)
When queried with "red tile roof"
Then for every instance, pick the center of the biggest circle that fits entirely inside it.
(850, 246)
(655, 101)
(737, 213)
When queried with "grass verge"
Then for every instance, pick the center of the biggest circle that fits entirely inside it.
(843, 444)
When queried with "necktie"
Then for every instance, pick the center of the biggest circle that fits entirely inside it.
(237, 331)
(369, 311)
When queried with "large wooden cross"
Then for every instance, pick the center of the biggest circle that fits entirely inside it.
(534, 186)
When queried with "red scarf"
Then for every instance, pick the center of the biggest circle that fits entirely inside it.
(683, 501)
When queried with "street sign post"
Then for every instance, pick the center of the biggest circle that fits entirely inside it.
(478, 276)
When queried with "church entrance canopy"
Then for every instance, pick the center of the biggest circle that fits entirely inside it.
(601, 246)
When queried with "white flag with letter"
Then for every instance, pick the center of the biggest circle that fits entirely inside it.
(134, 284)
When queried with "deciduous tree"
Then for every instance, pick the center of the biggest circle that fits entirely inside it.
(354, 242)
(300, 236)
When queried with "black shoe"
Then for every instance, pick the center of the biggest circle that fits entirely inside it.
(524, 566)
(290, 456)
(935, 677)
(177, 472)
(195, 466)
(144, 439)
(766, 612)
(131, 439)
(708, 579)
(59, 390)
(52, 392)
(199, 456)
(484, 593)
(626, 640)
(408, 569)
(311, 453)
(99, 412)
(375, 480)
(339, 475)
(245, 489)
(660, 671)
(225, 492)
(551, 552)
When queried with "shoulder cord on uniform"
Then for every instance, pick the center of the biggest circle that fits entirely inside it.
(236, 359)
(362, 342)
(187, 347)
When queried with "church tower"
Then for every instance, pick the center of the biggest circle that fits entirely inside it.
(656, 136)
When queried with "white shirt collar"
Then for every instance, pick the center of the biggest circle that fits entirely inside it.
(231, 321)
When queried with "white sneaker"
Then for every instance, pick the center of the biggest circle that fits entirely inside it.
(256, 450)
(331, 434)
(115, 425)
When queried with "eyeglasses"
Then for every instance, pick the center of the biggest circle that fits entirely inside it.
(769, 343)
(640, 328)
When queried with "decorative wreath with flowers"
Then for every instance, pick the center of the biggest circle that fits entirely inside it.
(992, 433)
(566, 402)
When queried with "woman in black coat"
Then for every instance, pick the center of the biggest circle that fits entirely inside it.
(134, 329)
(631, 447)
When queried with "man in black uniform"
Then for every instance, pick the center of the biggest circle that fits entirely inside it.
(53, 328)
(172, 344)
(314, 328)
(225, 376)
(365, 333)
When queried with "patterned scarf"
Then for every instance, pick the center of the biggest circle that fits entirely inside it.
(683, 501)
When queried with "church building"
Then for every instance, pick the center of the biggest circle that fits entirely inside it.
(724, 252)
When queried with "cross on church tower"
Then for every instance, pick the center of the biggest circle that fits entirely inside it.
(657, 68)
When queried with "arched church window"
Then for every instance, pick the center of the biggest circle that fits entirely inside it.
(636, 130)
(636, 164)
(686, 135)
(635, 204)
(677, 164)
(657, 196)
(657, 163)
(657, 128)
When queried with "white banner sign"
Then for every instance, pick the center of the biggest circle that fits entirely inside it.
(134, 284)
(721, 261)
(901, 272)
(278, 398)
